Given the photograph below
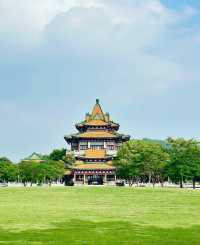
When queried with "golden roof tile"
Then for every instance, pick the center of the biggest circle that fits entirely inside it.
(97, 134)
(96, 122)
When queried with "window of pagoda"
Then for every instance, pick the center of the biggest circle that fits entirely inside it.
(97, 145)
(111, 145)
(74, 146)
(83, 145)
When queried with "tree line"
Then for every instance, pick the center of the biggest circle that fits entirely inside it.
(50, 168)
(145, 161)
(137, 161)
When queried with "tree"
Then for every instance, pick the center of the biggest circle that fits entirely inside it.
(5, 159)
(40, 172)
(128, 162)
(184, 160)
(57, 154)
(8, 170)
(28, 172)
(137, 159)
(69, 160)
(54, 170)
(154, 160)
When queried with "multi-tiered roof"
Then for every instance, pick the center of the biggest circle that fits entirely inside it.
(98, 127)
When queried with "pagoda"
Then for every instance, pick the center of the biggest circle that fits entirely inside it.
(94, 147)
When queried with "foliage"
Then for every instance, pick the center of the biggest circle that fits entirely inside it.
(54, 170)
(8, 170)
(185, 160)
(5, 159)
(137, 159)
(28, 171)
(57, 154)
(179, 159)
(69, 160)
(41, 172)
(163, 143)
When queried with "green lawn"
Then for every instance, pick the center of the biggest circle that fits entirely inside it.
(99, 215)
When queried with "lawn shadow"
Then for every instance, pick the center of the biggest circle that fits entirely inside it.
(79, 232)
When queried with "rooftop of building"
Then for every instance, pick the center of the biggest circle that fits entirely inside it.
(97, 125)
(97, 135)
(97, 118)
(34, 157)
(94, 166)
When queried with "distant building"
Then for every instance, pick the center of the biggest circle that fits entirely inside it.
(34, 157)
(94, 147)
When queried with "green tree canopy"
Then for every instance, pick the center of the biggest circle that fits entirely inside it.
(5, 159)
(8, 170)
(184, 160)
(57, 154)
(28, 171)
(54, 170)
(69, 160)
(41, 172)
(137, 159)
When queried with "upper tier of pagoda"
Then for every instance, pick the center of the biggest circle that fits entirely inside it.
(97, 120)
(97, 125)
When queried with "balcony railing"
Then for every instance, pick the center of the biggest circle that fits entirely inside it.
(111, 153)
(78, 153)
(82, 153)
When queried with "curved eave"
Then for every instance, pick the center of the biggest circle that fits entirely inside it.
(85, 127)
(110, 124)
(68, 138)
(91, 167)
(113, 124)
(126, 137)
(79, 126)
(107, 158)
(95, 137)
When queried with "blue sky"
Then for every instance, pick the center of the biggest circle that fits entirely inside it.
(139, 57)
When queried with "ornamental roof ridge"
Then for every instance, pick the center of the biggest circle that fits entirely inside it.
(97, 112)
(97, 118)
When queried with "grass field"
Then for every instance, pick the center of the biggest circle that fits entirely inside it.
(93, 215)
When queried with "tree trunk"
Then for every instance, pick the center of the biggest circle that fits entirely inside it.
(149, 178)
(194, 183)
(130, 183)
(153, 180)
(181, 183)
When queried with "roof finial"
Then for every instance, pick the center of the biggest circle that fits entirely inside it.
(97, 101)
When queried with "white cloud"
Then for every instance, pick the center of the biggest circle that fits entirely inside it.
(118, 36)
(32, 15)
